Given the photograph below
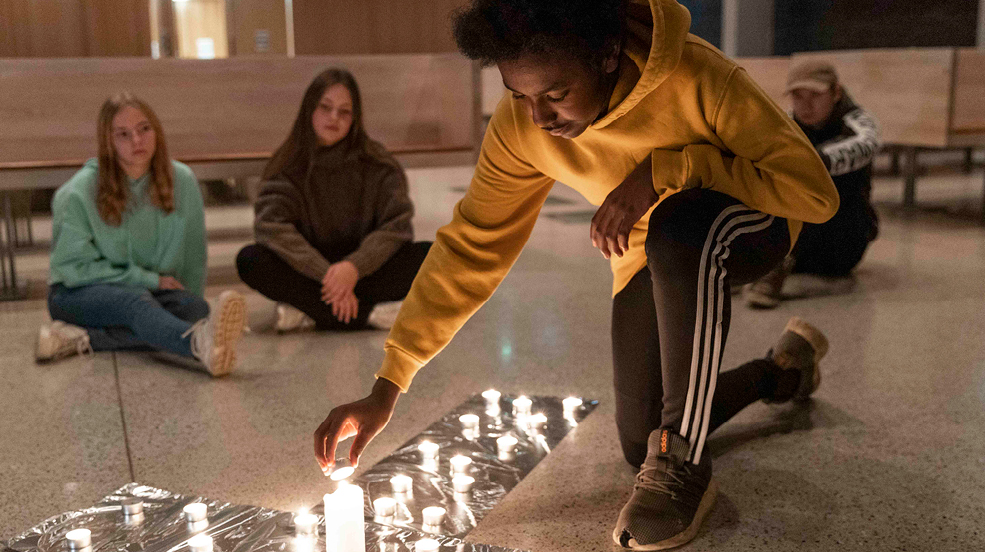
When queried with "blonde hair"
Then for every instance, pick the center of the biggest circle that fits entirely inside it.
(112, 191)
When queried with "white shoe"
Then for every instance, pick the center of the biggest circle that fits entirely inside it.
(384, 315)
(60, 340)
(214, 338)
(290, 319)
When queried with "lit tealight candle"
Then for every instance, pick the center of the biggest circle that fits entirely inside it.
(426, 545)
(401, 484)
(506, 444)
(462, 483)
(200, 543)
(469, 421)
(79, 539)
(522, 405)
(433, 515)
(305, 524)
(538, 420)
(570, 404)
(492, 399)
(460, 464)
(195, 512)
(385, 506)
(342, 470)
(429, 450)
(132, 506)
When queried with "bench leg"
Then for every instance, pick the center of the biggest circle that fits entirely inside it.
(969, 160)
(894, 162)
(7, 246)
(910, 179)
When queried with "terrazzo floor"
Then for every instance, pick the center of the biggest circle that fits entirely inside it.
(890, 455)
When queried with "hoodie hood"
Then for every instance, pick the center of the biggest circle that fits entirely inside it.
(656, 31)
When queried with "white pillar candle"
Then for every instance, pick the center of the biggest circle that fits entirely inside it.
(344, 530)
(460, 464)
(305, 524)
(433, 515)
(462, 483)
(79, 539)
(429, 450)
(195, 512)
(426, 545)
(401, 484)
(469, 421)
(570, 404)
(200, 543)
(506, 444)
(521, 406)
(385, 506)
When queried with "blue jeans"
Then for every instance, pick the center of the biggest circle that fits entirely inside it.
(120, 317)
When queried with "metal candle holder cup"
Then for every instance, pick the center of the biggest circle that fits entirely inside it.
(385, 507)
(132, 506)
(522, 406)
(79, 539)
(196, 512)
(200, 543)
(462, 483)
(341, 470)
(433, 516)
(402, 484)
(492, 400)
(429, 450)
(460, 464)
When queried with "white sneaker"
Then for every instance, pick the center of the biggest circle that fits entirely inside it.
(214, 338)
(290, 319)
(384, 315)
(60, 340)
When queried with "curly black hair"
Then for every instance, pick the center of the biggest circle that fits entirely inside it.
(505, 30)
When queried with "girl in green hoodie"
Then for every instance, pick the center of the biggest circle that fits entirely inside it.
(128, 252)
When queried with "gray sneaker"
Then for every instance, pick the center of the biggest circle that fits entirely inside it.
(671, 498)
(60, 340)
(800, 347)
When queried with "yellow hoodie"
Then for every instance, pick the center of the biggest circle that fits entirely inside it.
(678, 99)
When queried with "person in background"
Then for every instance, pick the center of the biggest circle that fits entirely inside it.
(846, 138)
(333, 219)
(128, 256)
(701, 181)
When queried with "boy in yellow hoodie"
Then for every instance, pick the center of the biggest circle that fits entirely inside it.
(702, 182)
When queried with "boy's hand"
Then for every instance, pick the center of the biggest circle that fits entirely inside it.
(363, 419)
(622, 208)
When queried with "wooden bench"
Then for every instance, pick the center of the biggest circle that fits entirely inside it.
(223, 117)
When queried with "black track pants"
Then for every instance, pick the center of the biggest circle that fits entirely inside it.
(670, 323)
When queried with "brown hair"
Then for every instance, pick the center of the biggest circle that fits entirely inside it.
(293, 157)
(112, 191)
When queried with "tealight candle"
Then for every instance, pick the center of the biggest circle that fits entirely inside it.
(570, 404)
(305, 524)
(521, 406)
(385, 506)
(401, 483)
(426, 545)
(460, 464)
(538, 420)
(506, 444)
(132, 506)
(200, 543)
(195, 512)
(79, 539)
(462, 483)
(429, 450)
(433, 515)
(492, 399)
(342, 470)
(469, 421)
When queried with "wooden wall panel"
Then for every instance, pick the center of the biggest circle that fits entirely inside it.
(908, 90)
(200, 19)
(74, 28)
(969, 92)
(248, 17)
(770, 73)
(235, 106)
(374, 26)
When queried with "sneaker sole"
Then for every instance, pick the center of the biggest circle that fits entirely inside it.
(687, 535)
(232, 320)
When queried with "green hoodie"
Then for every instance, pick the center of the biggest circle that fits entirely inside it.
(146, 245)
